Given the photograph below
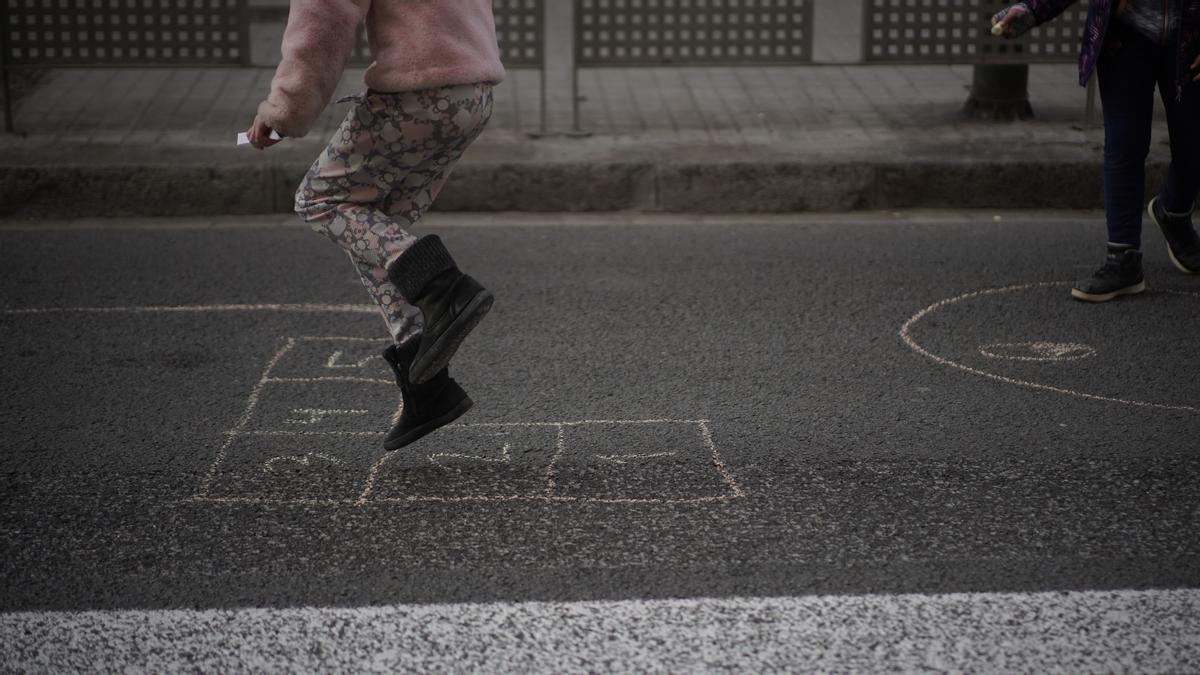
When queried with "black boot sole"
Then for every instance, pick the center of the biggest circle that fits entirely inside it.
(418, 432)
(1105, 297)
(443, 349)
(1178, 265)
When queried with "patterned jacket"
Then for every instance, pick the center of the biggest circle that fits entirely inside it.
(1100, 15)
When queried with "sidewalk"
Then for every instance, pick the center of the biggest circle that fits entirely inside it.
(711, 139)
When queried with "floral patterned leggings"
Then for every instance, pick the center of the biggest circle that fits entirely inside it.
(382, 171)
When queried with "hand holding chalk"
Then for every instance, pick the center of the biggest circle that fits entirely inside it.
(1013, 22)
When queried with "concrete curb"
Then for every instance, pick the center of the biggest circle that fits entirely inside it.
(175, 189)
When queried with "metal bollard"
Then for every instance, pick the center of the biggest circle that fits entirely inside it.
(999, 92)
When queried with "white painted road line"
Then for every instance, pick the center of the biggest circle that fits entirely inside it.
(1138, 631)
(195, 309)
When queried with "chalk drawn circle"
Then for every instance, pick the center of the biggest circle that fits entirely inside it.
(907, 328)
(1038, 351)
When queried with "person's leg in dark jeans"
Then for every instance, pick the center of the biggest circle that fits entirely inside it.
(1128, 72)
(1172, 208)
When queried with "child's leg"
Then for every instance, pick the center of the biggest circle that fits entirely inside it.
(412, 197)
(1172, 209)
(1127, 72)
(1183, 121)
(381, 172)
(447, 121)
(403, 320)
(341, 197)
(342, 193)
(443, 122)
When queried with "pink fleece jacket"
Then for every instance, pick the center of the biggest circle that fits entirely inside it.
(416, 44)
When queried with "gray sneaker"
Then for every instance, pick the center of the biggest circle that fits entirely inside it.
(1183, 245)
(1120, 275)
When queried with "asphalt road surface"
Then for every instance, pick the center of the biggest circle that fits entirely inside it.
(834, 443)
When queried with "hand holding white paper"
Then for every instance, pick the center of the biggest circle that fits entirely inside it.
(244, 139)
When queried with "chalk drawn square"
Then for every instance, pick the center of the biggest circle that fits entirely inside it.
(281, 468)
(640, 461)
(468, 463)
(346, 359)
(302, 408)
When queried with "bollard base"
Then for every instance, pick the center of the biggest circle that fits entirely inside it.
(1006, 111)
(999, 92)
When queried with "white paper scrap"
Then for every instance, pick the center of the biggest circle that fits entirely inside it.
(244, 138)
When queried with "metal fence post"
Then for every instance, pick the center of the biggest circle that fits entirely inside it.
(560, 94)
(244, 44)
(9, 126)
(544, 124)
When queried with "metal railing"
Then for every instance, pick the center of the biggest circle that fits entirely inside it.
(121, 32)
(623, 33)
(692, 32)
(558, 37)
(956, 31)
(144, 33)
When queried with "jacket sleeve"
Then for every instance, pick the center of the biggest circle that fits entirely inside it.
(1048, 10)
(317, 43)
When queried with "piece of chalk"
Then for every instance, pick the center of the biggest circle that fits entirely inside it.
(999, 28)
(244, 138)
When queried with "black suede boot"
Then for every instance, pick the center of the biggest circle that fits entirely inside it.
(451, 302)
(1183, 245)
(1121, 274)
(427, 406)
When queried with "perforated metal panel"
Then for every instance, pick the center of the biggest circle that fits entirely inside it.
(115, 32)
(959, 31)
(682, 32)
(519, 30)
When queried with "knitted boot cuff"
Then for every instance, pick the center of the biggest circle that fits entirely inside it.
(417, 266)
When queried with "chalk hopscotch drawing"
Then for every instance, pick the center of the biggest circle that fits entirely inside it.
(308, 416)
(550, 490)
(301, 460)
(1045, 351)
(504, 457)
(625, 459)
(307, 423)
(335, 361)
(241, 429)
(1038, 352)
